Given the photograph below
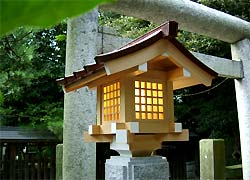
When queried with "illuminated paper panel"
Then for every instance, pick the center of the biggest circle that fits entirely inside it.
(148, 100)
(111, 102)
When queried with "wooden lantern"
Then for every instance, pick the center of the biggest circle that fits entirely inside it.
(135, 84)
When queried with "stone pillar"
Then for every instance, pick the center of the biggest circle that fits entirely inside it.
(59, 161)
(212, 159)
(136, 168)
(79, 158)
(241, 51)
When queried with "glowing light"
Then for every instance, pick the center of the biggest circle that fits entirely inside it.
(137, 108)
(143, 108)
(137, 84)
(150, 116)
(161, 116)
(142, 92)
(137, 100)
(148, 100)
(148, 85)
(160, 101)
(111, 102)
(143, 100)
(160, 108)
(137, 92)
(149, 108)
(137, 115)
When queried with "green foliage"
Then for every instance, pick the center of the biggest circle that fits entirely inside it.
(30, 63)
(206, 45)
(61, 37)
(42, 13)
(1, 98)
(238, 8)
(210, 114)
(126, 26)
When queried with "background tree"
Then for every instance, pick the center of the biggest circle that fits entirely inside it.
(31, 60)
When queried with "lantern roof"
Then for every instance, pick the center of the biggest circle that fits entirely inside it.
(159, 45)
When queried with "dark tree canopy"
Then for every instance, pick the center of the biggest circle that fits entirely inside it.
(31, 60)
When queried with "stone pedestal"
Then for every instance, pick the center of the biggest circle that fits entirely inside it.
(136, 168)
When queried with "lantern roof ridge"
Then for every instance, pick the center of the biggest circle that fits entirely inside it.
(167, 31)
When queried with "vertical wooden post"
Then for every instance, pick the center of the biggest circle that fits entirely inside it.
(240, 51)
(127, 100)
(52, 162)
(33, 169)
(12, 159)
(26, 166)
(38, 168)
(169, 107)
(99, 105)
(45, 167)
(20, 167)
(212, 159)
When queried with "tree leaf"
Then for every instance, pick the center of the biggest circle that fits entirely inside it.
(42, 13)
(1, 98)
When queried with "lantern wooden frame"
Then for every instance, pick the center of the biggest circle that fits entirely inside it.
(156, 57)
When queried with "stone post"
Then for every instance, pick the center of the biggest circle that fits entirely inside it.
(79, 158)
(59, 161)
(241, 51)
(212, 159)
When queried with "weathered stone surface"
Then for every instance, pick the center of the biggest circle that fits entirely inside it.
(212, 159)
(79, 158)
(224, 67)
(113, 172)
(59, 161)
(136, 168)
(240, 51)
(109, 40)
(191, 17)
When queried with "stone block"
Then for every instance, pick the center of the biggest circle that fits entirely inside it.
(136, 168)
(212, 159)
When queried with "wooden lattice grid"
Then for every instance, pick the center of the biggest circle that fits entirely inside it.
(149, 100)
(111, 102)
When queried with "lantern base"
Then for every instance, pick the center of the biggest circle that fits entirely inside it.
(136, 145)
(128, 168)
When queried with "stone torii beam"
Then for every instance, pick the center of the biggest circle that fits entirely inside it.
(206, 21)
(191, 16)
